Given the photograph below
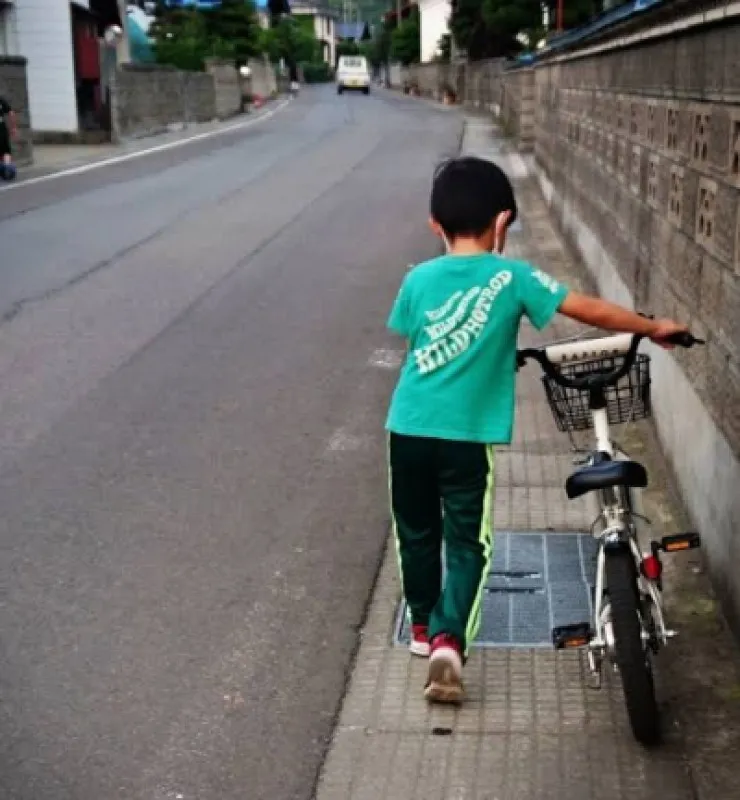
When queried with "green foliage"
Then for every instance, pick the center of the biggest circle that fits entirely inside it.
(489, 28)
(377, 50)
(291, 41)
(348, 49)
(576, 12)
(235, 24)
(184, 38)
(510, 17)
(277, 9)
(318, 72)
(405, 39)
(444, 47)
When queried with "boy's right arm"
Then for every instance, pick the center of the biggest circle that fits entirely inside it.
(602, 314)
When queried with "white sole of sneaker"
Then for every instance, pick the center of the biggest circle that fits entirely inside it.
(420, 649)
(444, 684)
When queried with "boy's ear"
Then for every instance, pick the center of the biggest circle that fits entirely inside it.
(501, 226)
(436, 228)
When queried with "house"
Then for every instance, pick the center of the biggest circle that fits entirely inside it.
(61, 42)
(323, 19)
(434, 18)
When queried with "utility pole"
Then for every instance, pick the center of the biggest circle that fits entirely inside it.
(561, 14)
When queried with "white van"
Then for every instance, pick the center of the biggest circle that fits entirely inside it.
(353, 73)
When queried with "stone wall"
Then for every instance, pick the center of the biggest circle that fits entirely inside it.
(263, 80)
(149, 99)
(227, 86)
(14, 88)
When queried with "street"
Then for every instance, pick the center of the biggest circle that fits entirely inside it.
(189, 536)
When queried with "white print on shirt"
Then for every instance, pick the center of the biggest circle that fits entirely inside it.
(438, 313)
(453, 336)
(546, 281)
(440, 329)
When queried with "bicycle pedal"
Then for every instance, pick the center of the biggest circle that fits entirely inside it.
(680, 541)
(571, 636)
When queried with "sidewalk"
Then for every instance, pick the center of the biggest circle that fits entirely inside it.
(531, 728)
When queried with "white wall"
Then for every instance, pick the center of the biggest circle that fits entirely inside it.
(325, 31)
(45, 39)
(435, 18)
(324, 26)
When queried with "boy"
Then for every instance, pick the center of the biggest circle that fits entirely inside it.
(454, 402)
(7, 130)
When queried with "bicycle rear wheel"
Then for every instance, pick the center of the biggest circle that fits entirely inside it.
(632, 654)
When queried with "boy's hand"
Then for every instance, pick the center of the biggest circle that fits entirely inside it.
(663, 328)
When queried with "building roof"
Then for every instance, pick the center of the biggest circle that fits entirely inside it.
(351, 30)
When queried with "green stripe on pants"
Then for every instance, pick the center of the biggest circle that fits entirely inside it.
(427, 476)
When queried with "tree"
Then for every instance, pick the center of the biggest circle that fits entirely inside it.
(184, 38)
(494, 28)
(405, 39)
(489, 28)
(277, 9)
(444, 49)
(290, 41)
(347, 48)
(576, 12)
(377, 50)
(235, 27)
(180, 40)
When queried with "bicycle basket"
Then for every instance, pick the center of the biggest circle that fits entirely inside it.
(626, 401)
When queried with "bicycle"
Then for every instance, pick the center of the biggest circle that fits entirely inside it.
(592, 384)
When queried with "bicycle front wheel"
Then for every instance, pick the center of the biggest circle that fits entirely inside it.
(632, 654)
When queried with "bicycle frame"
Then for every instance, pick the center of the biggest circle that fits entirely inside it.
(627, 623)
(618, 518)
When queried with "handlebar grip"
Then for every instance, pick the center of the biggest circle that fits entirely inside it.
(683, 339)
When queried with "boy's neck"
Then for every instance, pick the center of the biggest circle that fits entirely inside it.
(467, 247)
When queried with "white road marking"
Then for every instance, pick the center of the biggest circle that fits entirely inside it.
(159, 148)
(386, 359)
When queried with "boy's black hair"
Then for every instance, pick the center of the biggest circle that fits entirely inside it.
(468, 194)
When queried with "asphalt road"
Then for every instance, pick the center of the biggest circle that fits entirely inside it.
(192, 485)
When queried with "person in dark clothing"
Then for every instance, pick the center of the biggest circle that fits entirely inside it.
(8, 131)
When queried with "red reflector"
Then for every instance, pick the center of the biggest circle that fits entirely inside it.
(651, 567)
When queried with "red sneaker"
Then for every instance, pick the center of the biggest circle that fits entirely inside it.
(444, 683)
(419, 641)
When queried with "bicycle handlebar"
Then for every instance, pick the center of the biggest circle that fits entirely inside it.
(610, 346)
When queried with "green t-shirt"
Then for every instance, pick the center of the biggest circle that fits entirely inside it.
(461, 317)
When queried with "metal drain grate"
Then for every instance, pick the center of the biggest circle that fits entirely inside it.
(538, 581)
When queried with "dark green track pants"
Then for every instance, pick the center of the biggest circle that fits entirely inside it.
(442, 491)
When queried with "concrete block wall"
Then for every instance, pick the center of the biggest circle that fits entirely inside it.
(14, 87)
(476, 85)
(149, 99)
(517, 106)
(636, 141)
(638, 151)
